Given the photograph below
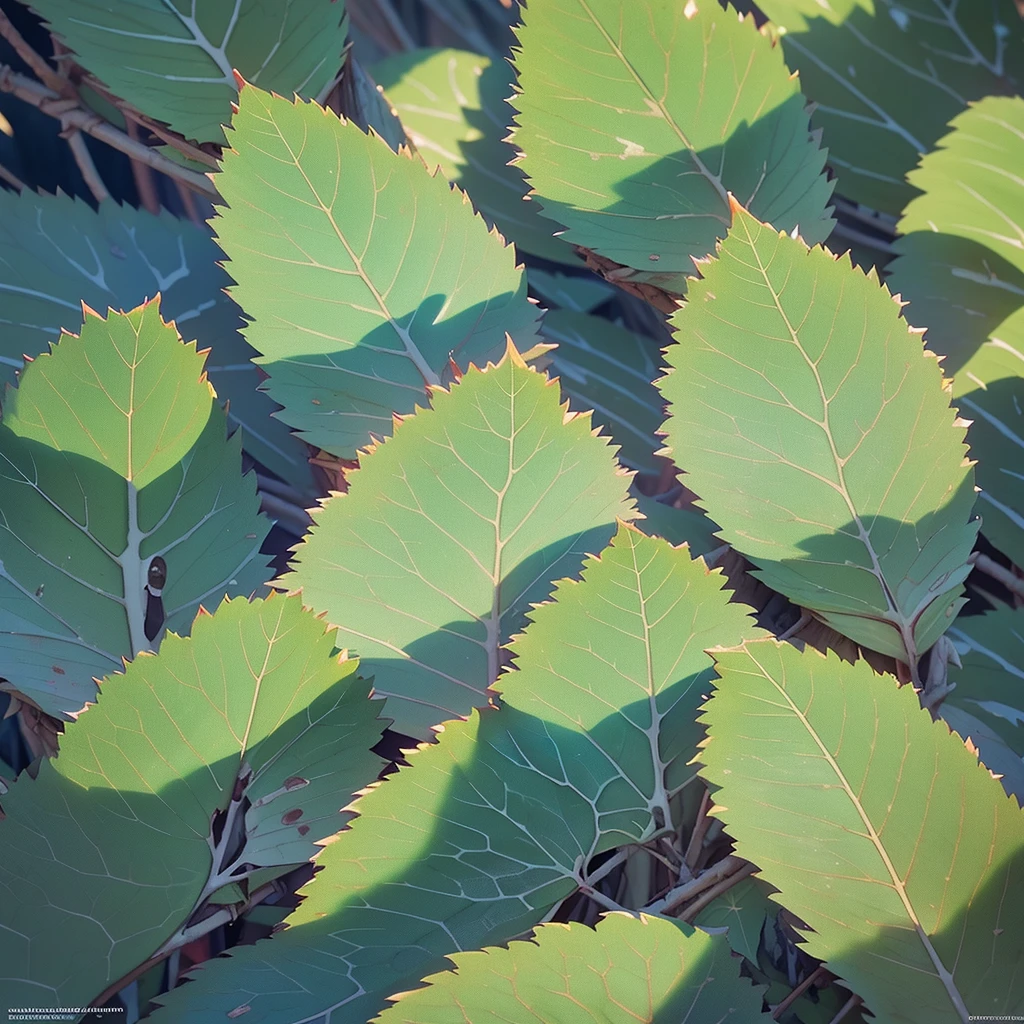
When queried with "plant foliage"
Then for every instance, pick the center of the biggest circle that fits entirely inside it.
(536, 534)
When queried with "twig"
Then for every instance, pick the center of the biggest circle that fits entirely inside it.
(187, 935)
(852, 1003)
(47, 75)
(188, 200)
(72, 116)
(884, 222)
(681, 893)
(80, 151)
(798, 992)
(713, 893)
(806, 618)
(617, 858)
(182, 145)
(700, 827)
(145, 185)
(605, 901)
(998, 572)
(289, 517)
(11, 178)
(863, 238)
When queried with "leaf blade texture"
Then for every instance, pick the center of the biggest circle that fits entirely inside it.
(113, 452)
(634, 968)
(608, 369)
(887, 77)
(453, 105)
(990, 686)
(961, 268)
(636, 120)
(489, 828)
(819, 435)
(450, 529)
(177, 64)
(108, 851)
(878, 827)
(57, 252)
(351, 320)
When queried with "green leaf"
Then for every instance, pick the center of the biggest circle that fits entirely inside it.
(488, 829)
(452, 104)
(609, 370)
(113, 452)
(56, 253)
(678, 525)
(362, 294)
(175, 62)
(818, 433)
(742, 910)
(109, 851)
(961, 266)
(636, 121)
(990, 683)
(878, 827)
(887, 76)
(626, 970)
(631, 637)
(450, 530)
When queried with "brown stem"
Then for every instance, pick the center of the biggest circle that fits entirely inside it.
(72, 116)
(715, 891)
(47, 75)
(145, 184)
(172, 139)
(188, 200)
(1009, 579)
(11, 178)
(80, 151)
(183, 938)
(798, 992)
(852, 1003)
(681, 893)
(700, 827)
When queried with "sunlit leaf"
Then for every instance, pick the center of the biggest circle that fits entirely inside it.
(450, 530)
(637, 119)
(488, 829)
(628, 969)
(365, 276)
(56, 253)
(818, 434)
(887, 76)
(109, 850)
(113, 453)
(878, 827)
(175, 61)
(452, 104)
(961, 266)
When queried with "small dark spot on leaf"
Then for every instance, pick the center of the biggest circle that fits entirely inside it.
(303, 829)
(290, 817)
(57, 669)
(295, 782)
